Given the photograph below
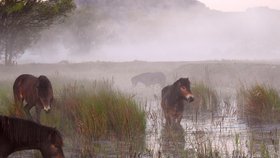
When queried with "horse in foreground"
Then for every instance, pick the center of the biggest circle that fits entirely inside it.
(18, 134)
(173, 99)
(35, 91)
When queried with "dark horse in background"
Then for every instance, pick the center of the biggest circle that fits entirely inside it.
(173, 99)
(149, 78)
(18, 134)
(35, 91)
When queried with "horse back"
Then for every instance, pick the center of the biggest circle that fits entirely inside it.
(149, 78)
(18, 134)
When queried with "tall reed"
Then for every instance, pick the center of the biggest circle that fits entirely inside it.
(100, 112)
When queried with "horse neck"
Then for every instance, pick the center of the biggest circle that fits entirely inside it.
(24, 133)
(173, 95)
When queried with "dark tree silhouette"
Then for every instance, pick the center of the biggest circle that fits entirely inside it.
(22, 20)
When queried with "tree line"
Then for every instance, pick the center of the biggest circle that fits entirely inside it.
(21, 22)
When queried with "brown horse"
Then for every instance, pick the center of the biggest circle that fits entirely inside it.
(34, 91)
(149, 79)
(18, 134)
(173, 98)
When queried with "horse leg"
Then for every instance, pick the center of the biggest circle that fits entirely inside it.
(168, 117)
(38, 113)
(27, 108)
(179, 118)
(168, 121)
(166, 112)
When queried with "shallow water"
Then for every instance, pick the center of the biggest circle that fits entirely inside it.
(222, 132)
(204, 132)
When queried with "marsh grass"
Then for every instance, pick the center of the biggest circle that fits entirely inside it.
(260, 103)
(4, 101)
(98, 112)
(7, 106)
(97, 120)
(264, 151)
(206, 98)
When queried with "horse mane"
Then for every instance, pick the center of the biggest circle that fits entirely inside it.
(44, 82)
(25, 131)
(172, 91)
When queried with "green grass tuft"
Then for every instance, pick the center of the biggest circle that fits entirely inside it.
(260, 102)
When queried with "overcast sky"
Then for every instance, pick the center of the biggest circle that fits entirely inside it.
(240, 5)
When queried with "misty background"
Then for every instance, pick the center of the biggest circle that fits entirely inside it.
(158, 30)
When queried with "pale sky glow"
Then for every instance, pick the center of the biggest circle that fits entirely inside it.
(240, 5)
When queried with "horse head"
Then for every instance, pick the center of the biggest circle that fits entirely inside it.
(183, 87)
(45, 92)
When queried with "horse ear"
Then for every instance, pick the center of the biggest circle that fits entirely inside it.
(41, 76)
(178, 82)
(56, 138)
(37, 84)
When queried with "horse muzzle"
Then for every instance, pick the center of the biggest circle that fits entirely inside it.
(47, 108)
(189, 98)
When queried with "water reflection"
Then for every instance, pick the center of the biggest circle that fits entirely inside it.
(173, 141)
(221, 134)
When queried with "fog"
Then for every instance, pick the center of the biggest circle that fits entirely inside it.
(240, 5)
(181, 30)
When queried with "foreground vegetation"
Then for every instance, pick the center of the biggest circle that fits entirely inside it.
(91, 113)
